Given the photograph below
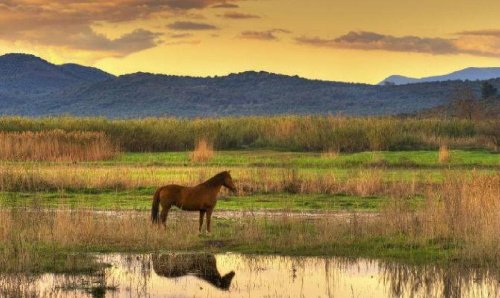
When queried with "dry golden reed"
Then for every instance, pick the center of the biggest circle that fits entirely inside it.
(444, 154)
(56, 145)
(464, 211)
(254, 180)
(330, 153)
(203, 151)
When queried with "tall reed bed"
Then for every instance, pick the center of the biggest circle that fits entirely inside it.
(463, 211)
(56, 145)
(300, 133)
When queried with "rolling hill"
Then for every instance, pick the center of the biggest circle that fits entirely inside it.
(471, 74)
(34, 87)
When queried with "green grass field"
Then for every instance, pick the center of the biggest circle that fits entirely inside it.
(140, 200)
(170, 167)
(268, 158)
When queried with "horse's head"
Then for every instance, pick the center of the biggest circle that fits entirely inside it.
(225, 281)
(228, 181)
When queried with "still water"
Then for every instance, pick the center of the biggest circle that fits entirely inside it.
(234, 275)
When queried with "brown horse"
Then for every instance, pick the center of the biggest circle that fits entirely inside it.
(201, 197)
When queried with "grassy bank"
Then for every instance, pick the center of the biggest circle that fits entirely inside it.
(291, 133)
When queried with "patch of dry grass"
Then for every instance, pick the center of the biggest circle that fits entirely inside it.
(330, 153)
(203, 151)
(248, 180)
(56, 145)
(444, 154)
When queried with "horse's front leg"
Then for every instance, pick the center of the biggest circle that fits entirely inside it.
(202, 214)
(164, 215)
(209, 218)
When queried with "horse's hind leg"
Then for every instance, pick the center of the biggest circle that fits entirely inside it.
(202, 214)
(209, 218)
(164, 215)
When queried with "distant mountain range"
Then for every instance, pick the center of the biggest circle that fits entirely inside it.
(32, 86)
(471, 73)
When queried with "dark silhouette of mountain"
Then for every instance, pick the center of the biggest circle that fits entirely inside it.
(398, 80)
(471, 73)
(85, 73)
(25, 74)
(32, 86)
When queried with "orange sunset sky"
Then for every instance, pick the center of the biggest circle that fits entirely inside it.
(358, 41)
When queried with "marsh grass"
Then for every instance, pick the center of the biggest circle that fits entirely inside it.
(458, 221)
(56, 145)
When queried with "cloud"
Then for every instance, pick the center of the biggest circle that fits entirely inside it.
(193, 4)
(180, 35)
(226, 5)
(374, 41)
(73, 24)
(486, 32)
(134, 41)
(188, 25)
(362, 40)
(263, 35)
(239, 16)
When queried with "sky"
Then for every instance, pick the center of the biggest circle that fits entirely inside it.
(352, 41)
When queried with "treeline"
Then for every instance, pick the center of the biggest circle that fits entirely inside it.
(295, 133)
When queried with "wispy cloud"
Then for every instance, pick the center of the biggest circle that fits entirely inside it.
(263, 35)
(188, 25)
(180, 35)
(486, 32)
(225, 5)
(239, 16)
(363, 40)
(194, 4)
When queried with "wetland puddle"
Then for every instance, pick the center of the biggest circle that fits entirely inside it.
(234, 275)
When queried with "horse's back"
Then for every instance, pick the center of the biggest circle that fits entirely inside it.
(171, 193)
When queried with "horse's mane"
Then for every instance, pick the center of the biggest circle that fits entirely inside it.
(217, 179)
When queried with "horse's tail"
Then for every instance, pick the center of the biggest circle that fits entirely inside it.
(155, 208)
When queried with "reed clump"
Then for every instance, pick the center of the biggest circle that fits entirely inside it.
(56, 145)
(330, 153)
(203, 151)
(444, 154)
(463, 212)
(467, 210)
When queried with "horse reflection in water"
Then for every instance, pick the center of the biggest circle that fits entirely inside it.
(203, 266)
